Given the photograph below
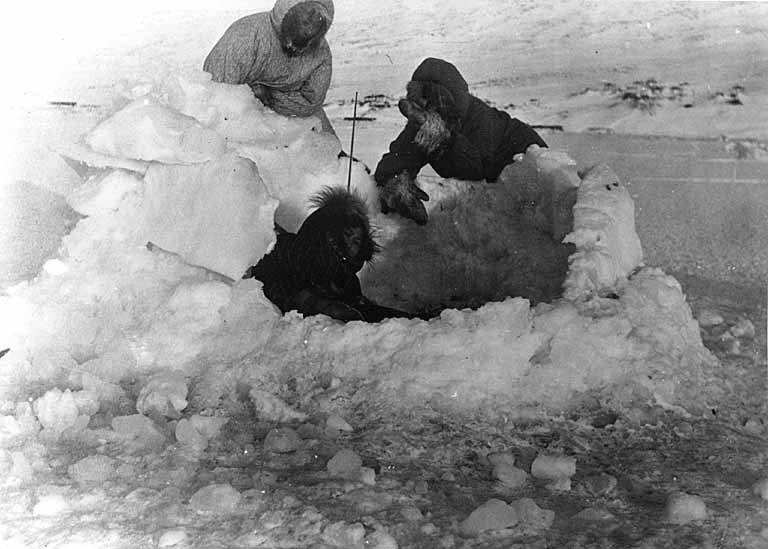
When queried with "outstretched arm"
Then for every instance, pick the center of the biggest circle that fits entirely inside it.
(403, 155)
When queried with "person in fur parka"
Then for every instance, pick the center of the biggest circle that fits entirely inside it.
(459, 135)
(282, 55)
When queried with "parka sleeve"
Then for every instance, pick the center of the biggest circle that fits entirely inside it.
(467, 160)
(307, 98)
(233, 56)
(403, 155)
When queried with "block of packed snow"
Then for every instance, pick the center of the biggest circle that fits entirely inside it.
(57, 410)
(164, 394)
(216, 215)
(184, 325)
(86, 162)
(148, 130)
(294, 173)
(103, 193)
(607, 246)
(233, 111)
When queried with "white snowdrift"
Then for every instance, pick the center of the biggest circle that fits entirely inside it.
(114, 308)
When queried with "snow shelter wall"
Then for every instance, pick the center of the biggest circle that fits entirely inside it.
(109, 308)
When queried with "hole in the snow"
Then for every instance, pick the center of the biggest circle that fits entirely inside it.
(485, 243)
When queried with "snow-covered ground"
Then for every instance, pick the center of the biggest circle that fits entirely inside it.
(113, 328)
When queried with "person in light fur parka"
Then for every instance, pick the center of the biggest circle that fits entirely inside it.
(282, 55)
(459, 135)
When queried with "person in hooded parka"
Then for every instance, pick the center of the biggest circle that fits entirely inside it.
(282, 55)
(456, 133)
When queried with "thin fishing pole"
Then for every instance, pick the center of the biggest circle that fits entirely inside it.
(352, 144)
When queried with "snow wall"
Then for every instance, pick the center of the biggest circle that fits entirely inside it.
(181, 186)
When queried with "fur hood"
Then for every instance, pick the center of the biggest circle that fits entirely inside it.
(281, 7)
(442, 77)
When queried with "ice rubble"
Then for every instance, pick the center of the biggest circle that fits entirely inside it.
(115, 309)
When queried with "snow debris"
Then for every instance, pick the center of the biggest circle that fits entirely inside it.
(59, 410)
(754, 425)
(511, 477)
(50, 505)
(272, 408)
(171, 538)
(138, 432)
(760, 489)
(708, 318)
(495, 514)
(411, 514)
(380, 540)
(594, 514)
(282, 441)
(195, 432)
(342, 534)
(599, 485)
(553, 467)
(21, 467)
(501, 458)
(683, 508)
(165, 394)
(338, 423)
(93, 469)
(367, 476)
(531, 516)
(215, 499)
(345, 463)
(743, 328)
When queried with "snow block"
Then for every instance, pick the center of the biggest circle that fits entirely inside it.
(216, 215)
(103, 193)
(608, 248)
(147, 130)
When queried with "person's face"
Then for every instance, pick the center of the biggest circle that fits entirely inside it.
(302, 28)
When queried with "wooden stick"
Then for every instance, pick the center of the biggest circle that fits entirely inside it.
(352, 144)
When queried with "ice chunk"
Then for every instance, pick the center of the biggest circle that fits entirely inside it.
(607, 245)
(147, 130)
(164, 394)
(86, 162)
(215, 499)
(295, 172)
(57, 410)
(233, 111)
(103, 193)
(92, 469)
(195, 432)
(216, 215)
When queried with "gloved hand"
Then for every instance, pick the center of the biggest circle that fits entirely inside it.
(400, 194)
